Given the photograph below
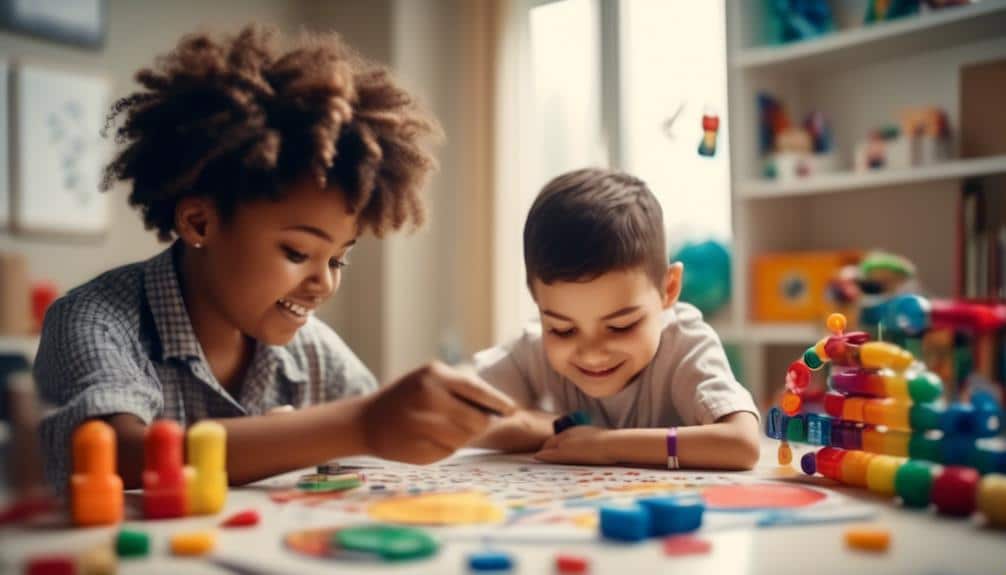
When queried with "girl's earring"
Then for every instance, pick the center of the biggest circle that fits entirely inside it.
(197, 245)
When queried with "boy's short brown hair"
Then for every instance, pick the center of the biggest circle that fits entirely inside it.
(588, 222)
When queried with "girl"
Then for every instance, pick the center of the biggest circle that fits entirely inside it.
(263, 167)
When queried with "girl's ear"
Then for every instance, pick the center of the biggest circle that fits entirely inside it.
(672, 284)
(196, 221)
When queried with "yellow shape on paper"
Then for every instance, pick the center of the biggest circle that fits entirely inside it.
(649, 487)
(438, 509)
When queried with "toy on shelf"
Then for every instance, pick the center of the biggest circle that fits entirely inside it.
(881, 10)
(794, 286)
(922, 138)
(796, 20)
(793, 152)
(887, 430)
(96, 496)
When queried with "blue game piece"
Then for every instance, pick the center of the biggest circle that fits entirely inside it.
(773, 424)
(489, 561)
(958, 419)
(808, 463)
(674, 514)
(954, 449)
(570, 420)
(818, 429)
(625, 523)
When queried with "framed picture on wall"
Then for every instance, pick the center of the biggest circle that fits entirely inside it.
(59, 153)
(79, 22)
(4, 147)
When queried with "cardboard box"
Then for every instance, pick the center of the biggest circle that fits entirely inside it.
(15, 295)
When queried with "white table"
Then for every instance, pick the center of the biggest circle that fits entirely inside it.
(923, 542)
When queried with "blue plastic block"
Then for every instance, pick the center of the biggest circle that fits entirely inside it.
(674, 514)
(958, 419)
(625, 523)
(818, 429)
(570, 420)
(955, 449)
(490, 561)
(773, 424)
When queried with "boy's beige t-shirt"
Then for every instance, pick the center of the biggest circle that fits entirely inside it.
(688, 382)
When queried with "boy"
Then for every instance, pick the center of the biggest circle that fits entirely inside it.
(614, 341)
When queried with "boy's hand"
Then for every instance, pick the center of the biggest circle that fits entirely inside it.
(429, 413)
(524, 431)
(582, 444)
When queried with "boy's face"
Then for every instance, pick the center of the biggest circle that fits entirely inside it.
(600, 333)
(273, 263)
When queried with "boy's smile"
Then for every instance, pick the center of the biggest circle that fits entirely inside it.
(600, 333)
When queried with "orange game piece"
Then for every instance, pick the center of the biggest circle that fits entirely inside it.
(791, 403)
(95, 489)
(868, 538)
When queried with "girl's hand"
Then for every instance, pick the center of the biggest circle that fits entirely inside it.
(429, 413)
(582, 444)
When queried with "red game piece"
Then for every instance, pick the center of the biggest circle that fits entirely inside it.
(51, 565)
(163, 473)
(686, 545)
(246, 518)
(797, 376)
(570, 564)
(954, 490)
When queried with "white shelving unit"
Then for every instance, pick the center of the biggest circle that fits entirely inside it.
(860, 78)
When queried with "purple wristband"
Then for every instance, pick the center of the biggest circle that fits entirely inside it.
(672, 448)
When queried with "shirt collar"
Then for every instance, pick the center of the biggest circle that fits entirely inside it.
(164, 294)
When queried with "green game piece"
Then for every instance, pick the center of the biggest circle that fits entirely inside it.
(132, 544)
(914, 482)
(795, 431)
(324, 485)
(924, 387)
(924, 416)
(811, 359)
(883, 261)
(387, 542)
(925, 448)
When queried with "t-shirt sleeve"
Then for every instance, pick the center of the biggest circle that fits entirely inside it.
(705, 388)
(510, 368)
(86, 367)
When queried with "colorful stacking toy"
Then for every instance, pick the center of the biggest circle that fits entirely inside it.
(887, 429)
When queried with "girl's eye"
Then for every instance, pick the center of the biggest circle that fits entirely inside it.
(563, 332)
(294, 256)
(336, 263)
(624, 328)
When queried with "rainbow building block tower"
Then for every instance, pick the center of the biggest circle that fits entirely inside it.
(887, 429)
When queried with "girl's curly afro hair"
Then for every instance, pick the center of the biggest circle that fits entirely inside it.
(235, 120)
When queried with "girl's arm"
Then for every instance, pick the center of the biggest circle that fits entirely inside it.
(731, 443)
(526, 430)
(421, 418)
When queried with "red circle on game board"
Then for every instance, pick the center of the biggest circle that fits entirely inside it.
(760, 496)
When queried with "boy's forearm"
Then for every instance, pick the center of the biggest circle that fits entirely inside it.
(731, 443)
(521, 432)
(263, 445)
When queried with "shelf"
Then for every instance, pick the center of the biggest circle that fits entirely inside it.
(19, 344)
(846, 181)
(771, 334)
(872, 43)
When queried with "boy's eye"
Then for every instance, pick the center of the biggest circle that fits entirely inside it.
(294, 256)
(624, 328)
(563, 332)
